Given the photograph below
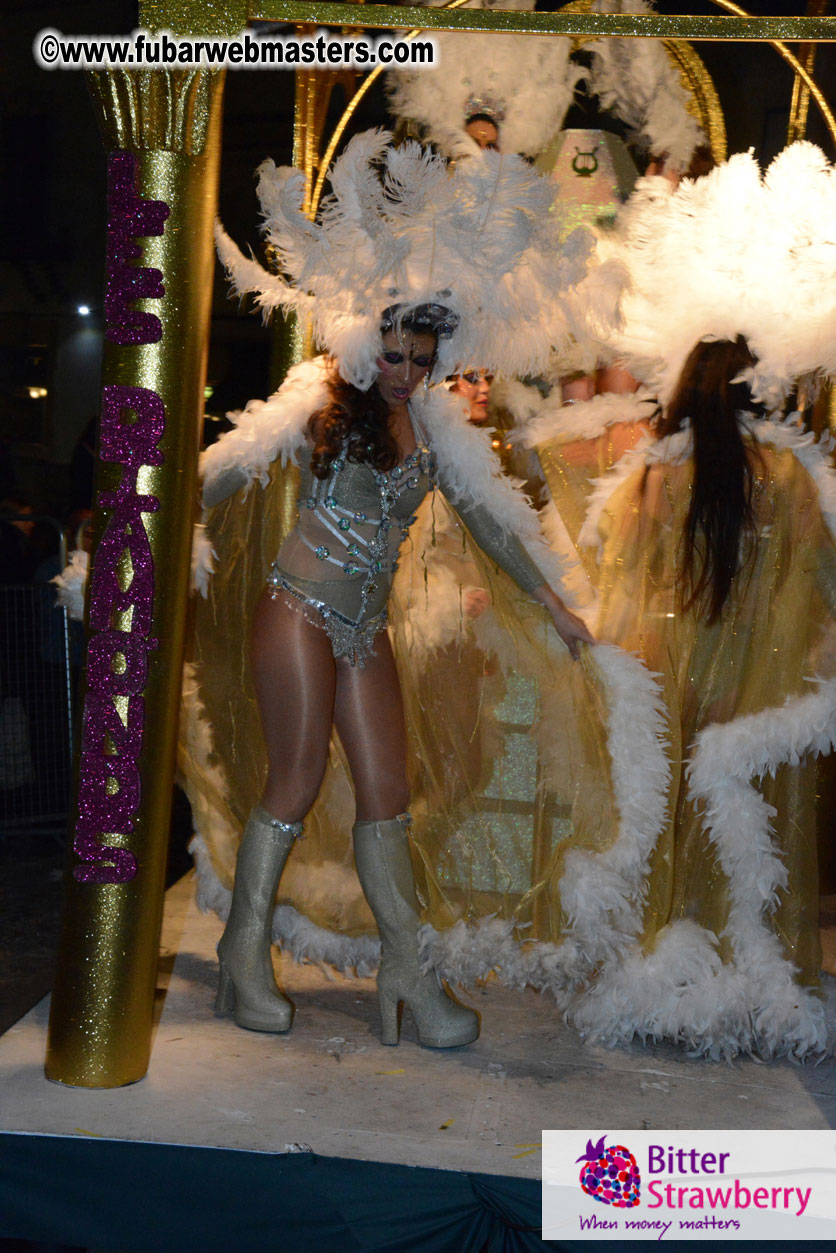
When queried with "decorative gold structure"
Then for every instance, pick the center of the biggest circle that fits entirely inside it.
(102, 1005)
(800, 103)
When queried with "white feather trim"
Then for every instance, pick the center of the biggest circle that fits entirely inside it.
(602, 893)
(71, 584)
(587, 419)
(203, 560)
(786, 1018)
(780, 433)
(470, 474)
(267, 429)
(648, 451)
(575, 581)
(681, 990)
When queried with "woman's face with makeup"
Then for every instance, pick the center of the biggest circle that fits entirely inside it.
(406, 360)
(475, 387)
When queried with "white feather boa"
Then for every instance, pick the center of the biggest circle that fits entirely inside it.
(469, 473)
(602, 893)
(269, 429)
(682, 990)
(587, 419)
(468, 469)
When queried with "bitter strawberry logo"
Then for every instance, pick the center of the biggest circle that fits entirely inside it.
(610, 1174)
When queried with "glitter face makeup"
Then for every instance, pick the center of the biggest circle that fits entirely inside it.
(407, 358)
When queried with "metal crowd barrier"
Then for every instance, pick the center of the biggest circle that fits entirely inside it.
(40, 652)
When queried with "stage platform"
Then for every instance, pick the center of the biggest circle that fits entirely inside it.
(318, 1107)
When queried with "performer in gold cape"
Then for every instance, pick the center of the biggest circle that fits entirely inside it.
(718, 567)
(399, 232)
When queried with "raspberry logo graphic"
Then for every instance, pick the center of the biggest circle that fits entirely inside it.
(610, 1175)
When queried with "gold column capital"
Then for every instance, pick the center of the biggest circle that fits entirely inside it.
(157, 110)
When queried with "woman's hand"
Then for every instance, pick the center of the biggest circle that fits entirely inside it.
(475, 600)
(568, 625)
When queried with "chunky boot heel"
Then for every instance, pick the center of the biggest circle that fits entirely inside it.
(225, 1000)
(390, 1018)
(381, 853)
(246, 983)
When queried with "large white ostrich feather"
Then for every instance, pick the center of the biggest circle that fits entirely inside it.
(403, 229)
(735, 252)
(637, 80)
(528, 81)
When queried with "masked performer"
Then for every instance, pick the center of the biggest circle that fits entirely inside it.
(368, 452)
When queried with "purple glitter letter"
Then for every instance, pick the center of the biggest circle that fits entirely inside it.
(131, 440)
(130, 216)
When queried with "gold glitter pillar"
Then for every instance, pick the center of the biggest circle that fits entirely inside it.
(101, 1017)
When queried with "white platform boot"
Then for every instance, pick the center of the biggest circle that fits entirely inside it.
(247, 985)
(381, 852)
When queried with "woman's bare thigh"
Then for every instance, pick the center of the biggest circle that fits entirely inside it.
(369, 716)
(295, 677)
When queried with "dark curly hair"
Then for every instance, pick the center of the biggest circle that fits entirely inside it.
(362, 418)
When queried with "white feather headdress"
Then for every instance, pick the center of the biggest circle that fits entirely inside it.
(733, 253)
(404, 230)
(636, 80)
(526, 82)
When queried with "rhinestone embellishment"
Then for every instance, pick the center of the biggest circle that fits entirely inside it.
(322, 552)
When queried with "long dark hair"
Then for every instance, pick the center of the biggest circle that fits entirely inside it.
(720, 511)
(361, 419)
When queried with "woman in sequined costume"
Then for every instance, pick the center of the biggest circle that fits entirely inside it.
(321, 656)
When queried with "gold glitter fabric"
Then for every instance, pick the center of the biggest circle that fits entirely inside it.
(502, 785)
(570, 467)
(756, 657)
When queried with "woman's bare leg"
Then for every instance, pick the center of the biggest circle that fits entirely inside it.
(294, 676)
(368, 714)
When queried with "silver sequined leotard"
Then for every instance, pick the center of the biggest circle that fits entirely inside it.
(339, 561)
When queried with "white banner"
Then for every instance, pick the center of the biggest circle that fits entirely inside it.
(689, 1185)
